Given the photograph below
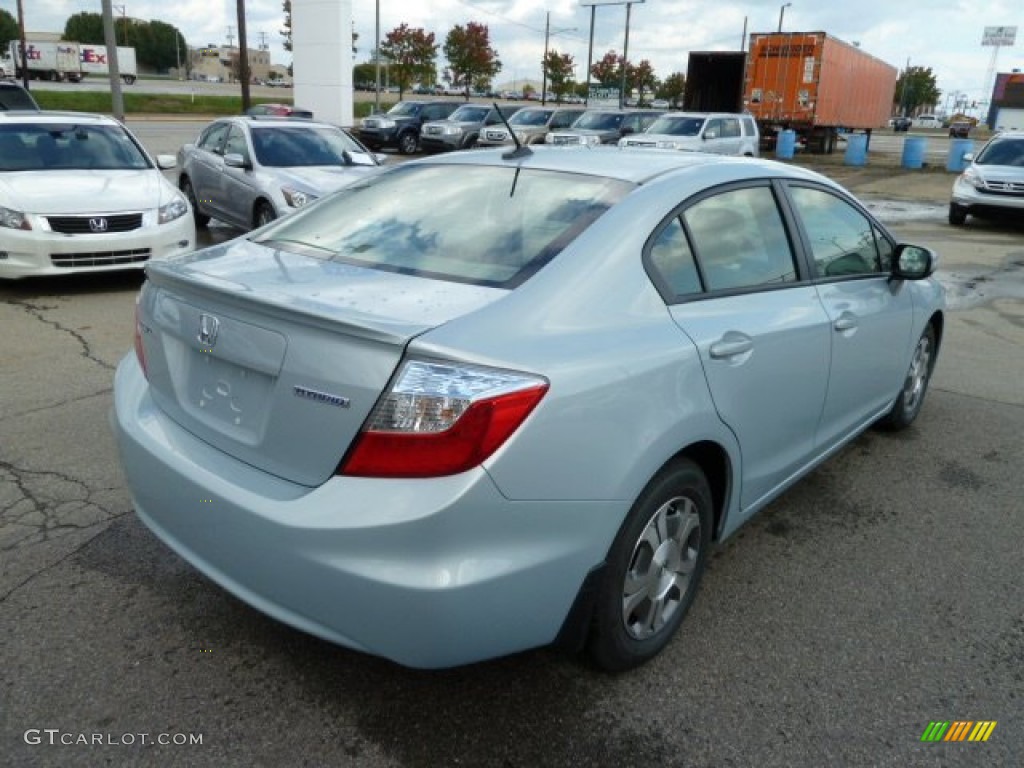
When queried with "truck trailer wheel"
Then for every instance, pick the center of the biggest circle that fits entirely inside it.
(128, 79)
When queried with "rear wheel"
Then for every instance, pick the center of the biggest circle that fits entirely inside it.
(201, 219)
(915, 385)
(654, 568)
(957, 215)
(263, 214)
(408, 143)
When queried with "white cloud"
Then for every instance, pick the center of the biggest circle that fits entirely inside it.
(942, 34)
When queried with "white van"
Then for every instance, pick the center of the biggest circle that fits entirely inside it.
(720, 133)
(927, 121)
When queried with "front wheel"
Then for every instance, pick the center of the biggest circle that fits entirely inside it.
(408, 143)
(654, 568)
(957, 215)
(201, 219)
(915, 385)
(263, 215)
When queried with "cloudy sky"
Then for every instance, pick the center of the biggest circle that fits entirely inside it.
(942, 34)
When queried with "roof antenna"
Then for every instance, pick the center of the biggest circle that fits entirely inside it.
(520, 150)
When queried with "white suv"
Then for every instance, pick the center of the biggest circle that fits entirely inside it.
(720, 133)
(994, 181)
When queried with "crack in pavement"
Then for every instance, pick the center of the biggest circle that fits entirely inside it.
(46, 505)
(37, 310)
(51, 406)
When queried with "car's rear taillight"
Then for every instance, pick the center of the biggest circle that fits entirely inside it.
(140, 350)
(441, 419)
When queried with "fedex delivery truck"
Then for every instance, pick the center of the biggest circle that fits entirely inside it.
(48, 60)
(94, 61)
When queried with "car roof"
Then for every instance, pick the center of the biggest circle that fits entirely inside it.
(56, 116)
(626, 164)
(278, 120)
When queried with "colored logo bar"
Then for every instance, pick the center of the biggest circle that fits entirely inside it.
(958, 730)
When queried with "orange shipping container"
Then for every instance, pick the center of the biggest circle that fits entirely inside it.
(811, 79)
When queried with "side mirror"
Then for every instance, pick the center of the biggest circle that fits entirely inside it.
(235, 160)
(968, 157)
(913, 262)
(166, 162)
(627, 130)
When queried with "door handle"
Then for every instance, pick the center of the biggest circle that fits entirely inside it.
(731, 345)
(847, 321)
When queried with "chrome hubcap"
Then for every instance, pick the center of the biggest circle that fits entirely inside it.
(917, 376)
(660, 568)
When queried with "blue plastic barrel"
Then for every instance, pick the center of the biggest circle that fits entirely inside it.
(856, 149)
(786, 145)
(957, 149)
(913, 152)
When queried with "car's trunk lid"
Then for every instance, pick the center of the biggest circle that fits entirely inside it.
(277, 358)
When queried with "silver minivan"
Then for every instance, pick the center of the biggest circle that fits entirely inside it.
(721, 133)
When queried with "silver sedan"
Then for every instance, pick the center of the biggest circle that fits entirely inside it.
(491, 401)
(249, 170)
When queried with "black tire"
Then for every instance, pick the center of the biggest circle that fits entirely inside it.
(408, 143)
(915, 386)
(201, 219)
(660, 552)
(957, 215)
(263, 214)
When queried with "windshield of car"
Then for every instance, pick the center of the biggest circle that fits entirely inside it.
(405, 109)
(469, 114)
(493, 226)
(599, 121)
(1003, 152)
(63, 146)
(677, 126)
(531, 117)
(289, 146)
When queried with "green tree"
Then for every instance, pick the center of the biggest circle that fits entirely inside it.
(608, 70)
(286, 33)
(364, 74)
(641, 78)
(85, 28)
(411, 54)
(470, 55)
(916, 87)
(8, 29)
(558, 70)
(672, 89)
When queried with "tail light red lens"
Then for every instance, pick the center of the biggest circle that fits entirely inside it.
(441, 419)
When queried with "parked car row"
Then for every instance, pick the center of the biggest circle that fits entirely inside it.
(412, 125)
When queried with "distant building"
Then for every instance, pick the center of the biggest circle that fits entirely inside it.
(219, 63)
(1006, 107)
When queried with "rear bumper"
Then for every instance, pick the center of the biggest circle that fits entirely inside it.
(428, 573)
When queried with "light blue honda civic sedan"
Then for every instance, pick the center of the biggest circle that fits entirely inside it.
(490, 401)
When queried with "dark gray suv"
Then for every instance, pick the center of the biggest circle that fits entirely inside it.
(400, 127)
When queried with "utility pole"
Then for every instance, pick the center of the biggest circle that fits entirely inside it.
(243, 56)
(113, 70)
(231, 36)
(24, 53)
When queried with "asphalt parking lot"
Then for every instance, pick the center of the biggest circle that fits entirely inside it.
(882, 593)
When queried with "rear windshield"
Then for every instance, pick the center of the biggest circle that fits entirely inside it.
(677, 126)
(405, 109)
(599, 121)
(531, 117)
(483, 225)
(61, 146)
(469, 114)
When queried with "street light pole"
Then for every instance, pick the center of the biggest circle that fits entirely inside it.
(782, 12)
(544, 61)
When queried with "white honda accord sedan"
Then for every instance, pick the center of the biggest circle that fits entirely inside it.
(494, 400)
(78, 193)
